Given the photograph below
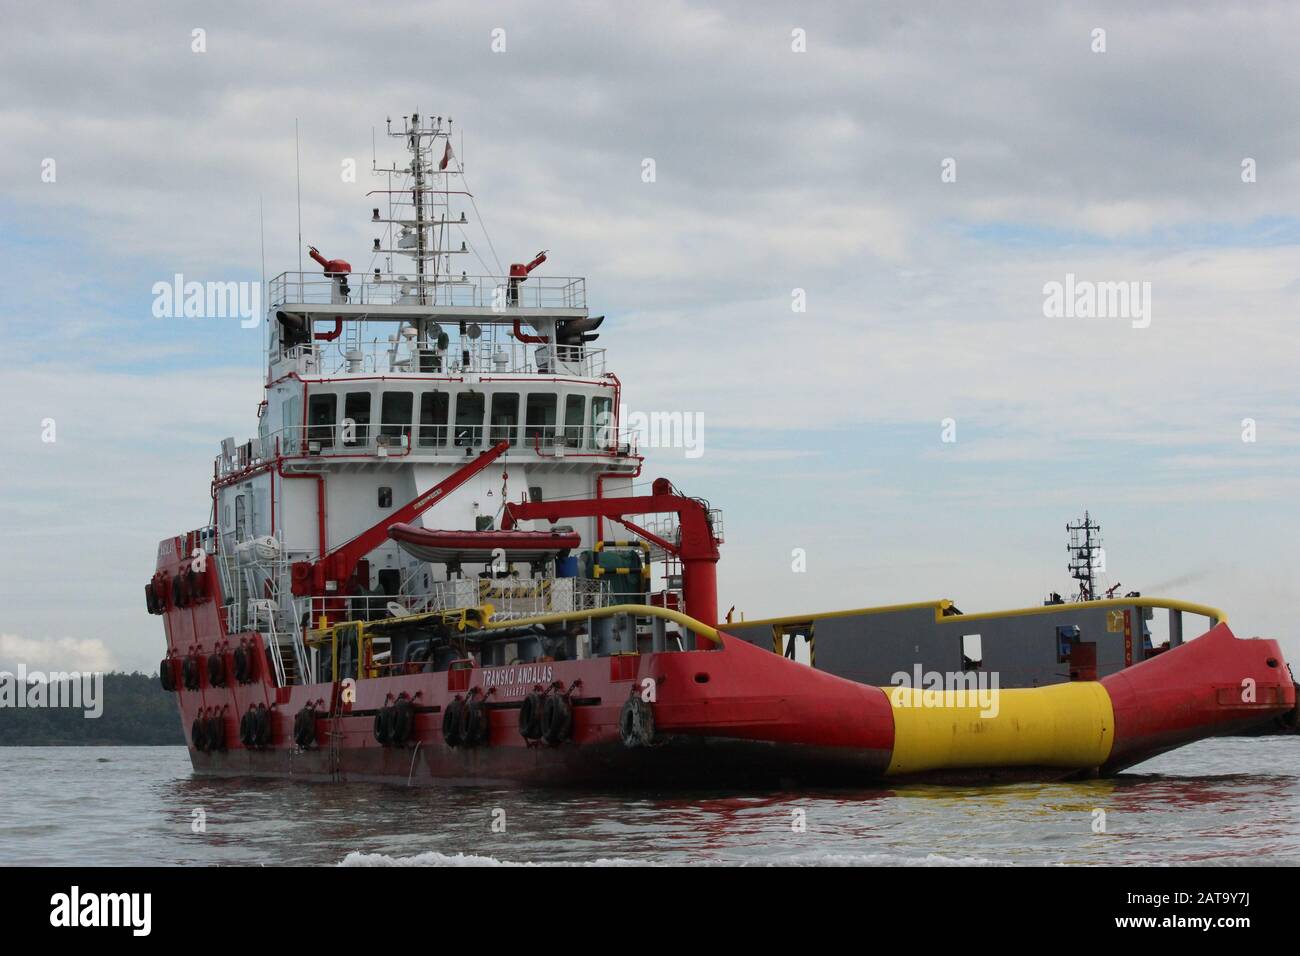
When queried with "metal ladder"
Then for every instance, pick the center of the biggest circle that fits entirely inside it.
(284, 640)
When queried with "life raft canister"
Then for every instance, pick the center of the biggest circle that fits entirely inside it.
(557, 719)
(636, 722)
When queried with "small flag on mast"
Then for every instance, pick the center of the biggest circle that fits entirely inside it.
(446, 156)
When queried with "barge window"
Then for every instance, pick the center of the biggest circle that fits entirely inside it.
(972, 652)
(469, 419)
(321, 413)
(356, 409)
(575, 410)
(395, 415)
(602, 422)
(434, 407)
(505, 418)
(539, 418)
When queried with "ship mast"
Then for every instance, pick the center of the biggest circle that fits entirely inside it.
(1085, 554)
(414, 208)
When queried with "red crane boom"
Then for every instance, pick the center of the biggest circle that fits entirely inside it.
(697, 550)
(338, 564)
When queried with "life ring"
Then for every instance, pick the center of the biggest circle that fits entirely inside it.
(304, 727)
(190, 672)
(401, 720)
(262, 732)
(531, 716)
(636, 723)
(199, 735)
(557, 719)
(217, 670)
(474, 728)
(167, 676)
(451, 722)
(383, 725)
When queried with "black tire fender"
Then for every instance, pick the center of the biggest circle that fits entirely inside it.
(557, 720)
(451, 722)
(401, 720)
(532, 714)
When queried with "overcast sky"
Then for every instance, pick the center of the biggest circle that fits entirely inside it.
(776, 170)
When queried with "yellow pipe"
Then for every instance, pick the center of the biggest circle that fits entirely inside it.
(1171, 604)
(1064, 725)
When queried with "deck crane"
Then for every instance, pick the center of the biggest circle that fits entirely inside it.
(697, 547)
(334, 570)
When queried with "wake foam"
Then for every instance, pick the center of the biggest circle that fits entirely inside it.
(434, 858)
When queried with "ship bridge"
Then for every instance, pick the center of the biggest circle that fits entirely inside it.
(377, 323)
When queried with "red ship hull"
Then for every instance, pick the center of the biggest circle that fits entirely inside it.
(731, 716)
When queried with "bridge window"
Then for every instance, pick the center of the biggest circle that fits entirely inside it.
(505, 418)
(241, 519)
(575, 408)
(539, 419)
(972, 652)
(434, 407)
(469, 419)
(385, 498)
(321, 413)
(395, 415)
(602, 422)
(356, 418)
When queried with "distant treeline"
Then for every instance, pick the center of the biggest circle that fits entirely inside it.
(136, 711)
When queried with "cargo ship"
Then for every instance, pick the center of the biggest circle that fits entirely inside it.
(436, 562)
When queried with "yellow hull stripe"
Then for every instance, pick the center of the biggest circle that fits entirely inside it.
(1065, 725)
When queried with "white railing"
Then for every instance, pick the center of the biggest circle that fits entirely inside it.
(510, 599)
(494, 355)
(465, 291)
(407, 439)
(526, 597)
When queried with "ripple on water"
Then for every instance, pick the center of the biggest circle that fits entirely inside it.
(1194, 806)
